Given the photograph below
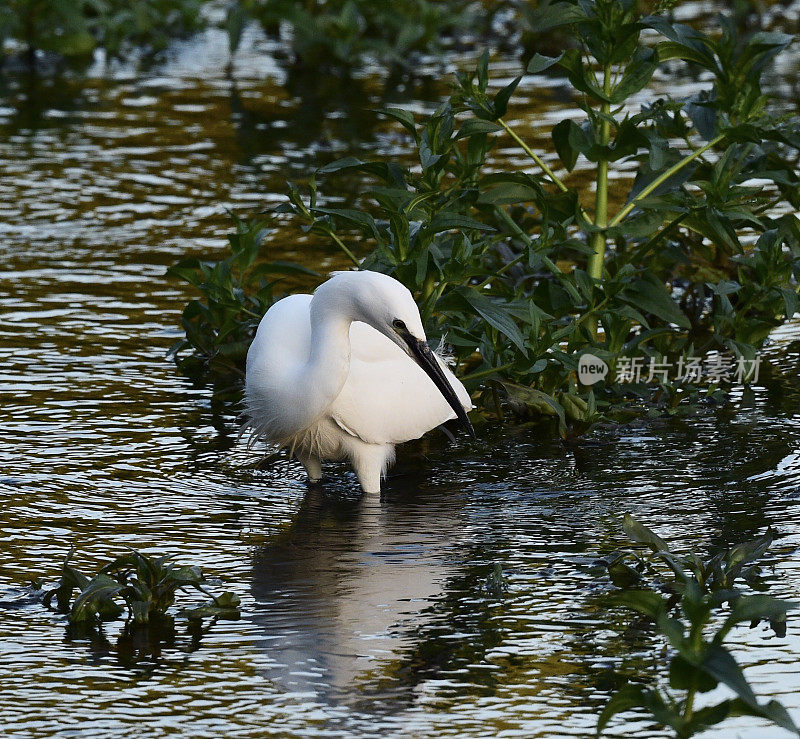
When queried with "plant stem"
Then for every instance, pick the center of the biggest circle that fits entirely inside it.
(341, 245)
(427, 286)
(595, 266)
(487, 372)
(533, 155)
(663, 177)
(596, 261)
(687, 711)
(507, 266)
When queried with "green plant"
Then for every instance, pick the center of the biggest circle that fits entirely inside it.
(693, 603)
(344, 33)
(119, 26)
(74, 29)
(523, 273)
(237, 290)
(147, 586)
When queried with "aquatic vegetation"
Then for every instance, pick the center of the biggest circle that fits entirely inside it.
(237, 291)
(73, 30)
(147, 586)
(693, 603)
(344, 33)
(524, 273)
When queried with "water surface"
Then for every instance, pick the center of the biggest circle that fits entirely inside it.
(362, 615)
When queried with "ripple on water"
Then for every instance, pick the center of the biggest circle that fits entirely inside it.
(360, 615)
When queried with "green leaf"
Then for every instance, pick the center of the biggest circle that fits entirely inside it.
(140, 611)
(235, 22)
(186, 575)
(404, 117)
(494, 315)
(719, 663)
(507, 193)
(224, 606)
(684, 675)
(646, 602)
(650, 295)
(562, 133)
(667, 50)
(483, 70)
(501, 98)
(637, 75)
(539, 63)
(773, 711)
(339, 164)
(86, 605)
(538, 402)
(756, 607)
(446, 221)
(574, 406)
(790, 300)
(623, 575)
(357, 218)
(283, 268)
(748, 551)
(635, 696)
(639, 532)
(475, 126)
(581, 78)
(547, 15)
(704, 718)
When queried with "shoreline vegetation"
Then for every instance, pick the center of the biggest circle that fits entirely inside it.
(522, 274)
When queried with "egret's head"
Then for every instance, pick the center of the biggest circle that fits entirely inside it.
(388, 306)
(378, 300)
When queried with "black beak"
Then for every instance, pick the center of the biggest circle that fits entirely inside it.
(424, 357)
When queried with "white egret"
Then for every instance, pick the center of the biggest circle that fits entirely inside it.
(347, 374)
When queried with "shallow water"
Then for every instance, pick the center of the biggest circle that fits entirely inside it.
(361, 615)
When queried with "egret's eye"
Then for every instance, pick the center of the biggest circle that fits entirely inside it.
(399, 325)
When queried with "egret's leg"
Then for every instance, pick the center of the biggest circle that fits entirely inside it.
(370, 462)
(369, 475)
(312, 464)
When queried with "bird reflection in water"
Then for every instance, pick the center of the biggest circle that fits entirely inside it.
(346, 588)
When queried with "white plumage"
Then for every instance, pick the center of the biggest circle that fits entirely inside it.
(346, 374)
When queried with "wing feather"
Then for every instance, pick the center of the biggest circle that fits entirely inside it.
(387, 398)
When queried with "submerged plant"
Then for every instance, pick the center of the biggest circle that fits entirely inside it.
(147, 586)
(524, 273)
(694, 603)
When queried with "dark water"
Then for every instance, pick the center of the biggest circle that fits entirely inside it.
(361, 615)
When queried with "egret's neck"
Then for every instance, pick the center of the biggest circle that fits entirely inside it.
(328, 363)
